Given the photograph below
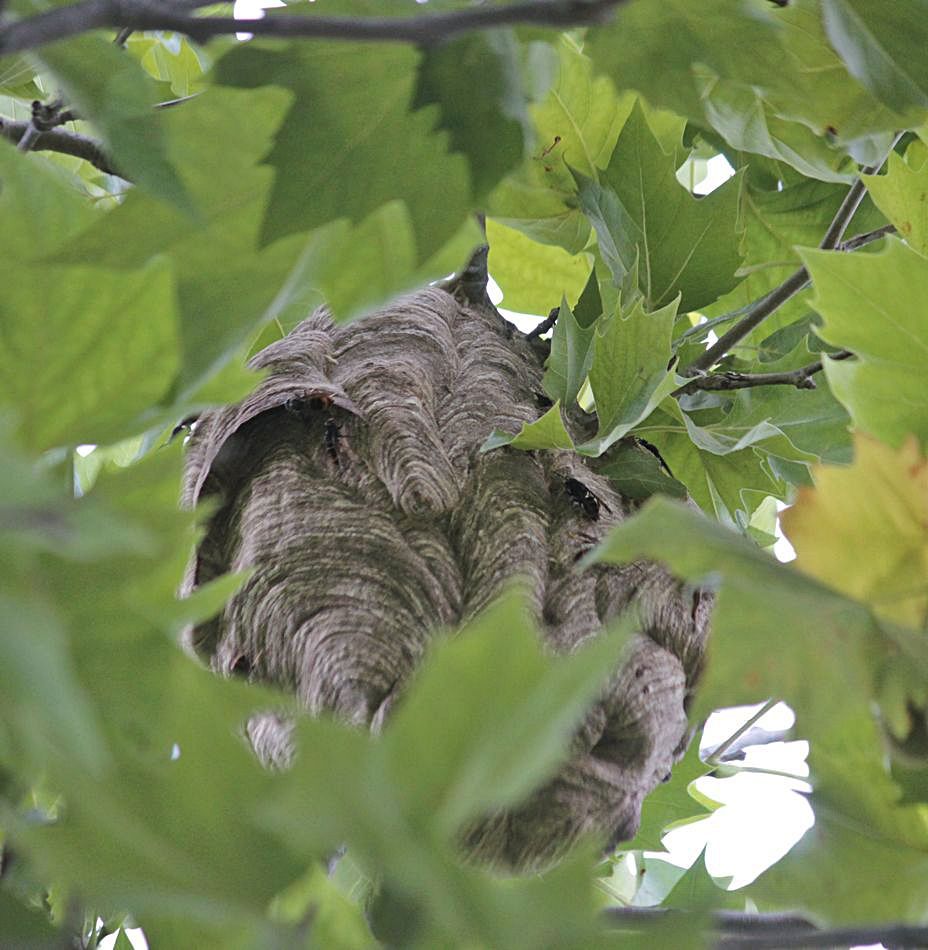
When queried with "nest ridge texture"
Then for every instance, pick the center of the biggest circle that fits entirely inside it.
(351, 483)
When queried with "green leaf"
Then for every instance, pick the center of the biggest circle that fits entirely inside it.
(548, 432)
(775, 223)
(902, 195)
(670, 803)
(640, 211)
(776, 61)
(571, 355)
(721, 485)
(41, 210)
(577, 121)
(637, 473)
(883, 389)
(351, 121)
(533, 276)
(474, 82)
(46, 713)
(489, 716)
(882, 46)
(630, 375)
(824, 640)
(117, 97)
(114, 349)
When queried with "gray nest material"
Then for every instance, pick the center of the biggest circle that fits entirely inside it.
(351, 484)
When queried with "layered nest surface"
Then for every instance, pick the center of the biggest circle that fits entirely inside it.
(352, 486)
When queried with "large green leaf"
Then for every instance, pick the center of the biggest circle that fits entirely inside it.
(775, 62)
(351, 121)
(641, 213)
(84, 351)
(474, 82)
(902, 195)
(577, 122)
(776, 222)
(117, 97)
(882, 45)
(40, 208)
(859, 299)
(630, 374)
(533, 277)
(489, 718)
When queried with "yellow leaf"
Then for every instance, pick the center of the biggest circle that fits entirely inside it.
(863, 529)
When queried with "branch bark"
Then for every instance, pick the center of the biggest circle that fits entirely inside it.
(433, 28)
(736, 930)
(800, 378)
(59, 140)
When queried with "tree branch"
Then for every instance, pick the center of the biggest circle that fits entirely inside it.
(800, 378)
(544, 326)
(87, 15)
(59, 140)
(736, 930)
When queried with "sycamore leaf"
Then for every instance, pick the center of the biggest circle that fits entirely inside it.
(112, 349)
(775, 223)
(471, 81)
(577, 120)
(722, 485)
(41, 210)
(117, 96)
(351, 120)
(882, 45)
(781, 53)
(548, 432)
(859, 299)
(878, 504)
(533, 277)
(630, 375)
(902, 195)
(488, 718)
(571, 356)
(637, 473)
(683, 245)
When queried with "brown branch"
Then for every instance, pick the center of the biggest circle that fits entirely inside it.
(544, 326)
(87, 15)
(59, 140)
(800, 378)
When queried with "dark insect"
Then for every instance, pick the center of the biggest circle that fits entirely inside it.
(185, 425)
(552, 146)
(581, 497)
(656, 453)
(331, 435)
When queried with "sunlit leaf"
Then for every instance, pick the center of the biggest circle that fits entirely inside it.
(883, 389)
(879, 503)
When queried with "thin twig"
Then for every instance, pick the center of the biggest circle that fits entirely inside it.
(852, 202)
(80, 17)
(714, 757)
(544, 326)
(60, 140)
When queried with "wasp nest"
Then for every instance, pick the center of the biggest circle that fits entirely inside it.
(352, 486)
